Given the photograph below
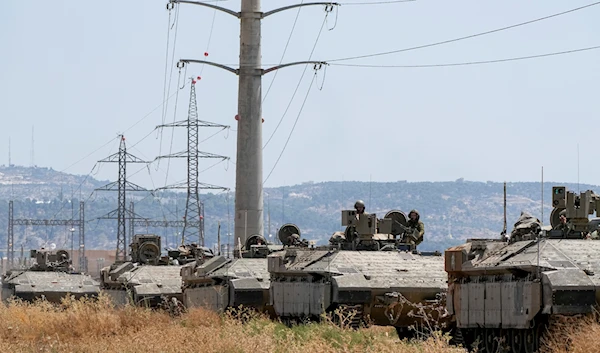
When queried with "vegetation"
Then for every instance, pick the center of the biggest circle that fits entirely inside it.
(96, 326)
(80, 326)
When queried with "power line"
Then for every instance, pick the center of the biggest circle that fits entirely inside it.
(375, 2)
(284, 51)
(465, 37)
(210, 33)
(293, 127)
(299, 82)
(173, 130)
(165, 106)
(473, 62)
(166, 67)
(124, 131)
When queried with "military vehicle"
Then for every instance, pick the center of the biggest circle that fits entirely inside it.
(220, 282)
(505, 291)
(372, 271)
(51, 277)
(149, 279)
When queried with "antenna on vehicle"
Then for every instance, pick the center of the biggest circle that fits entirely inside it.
(370, 180)
(219, 238)
(578, 189)
(539, 238)
(542, 206)
(503, 234)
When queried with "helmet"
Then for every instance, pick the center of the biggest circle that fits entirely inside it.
(415, 212)
(563, 213)
(359, 203)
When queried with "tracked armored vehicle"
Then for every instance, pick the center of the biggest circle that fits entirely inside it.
(149, 279)
(221, 282)
(506, 291)
(51, 277)
(370, 271)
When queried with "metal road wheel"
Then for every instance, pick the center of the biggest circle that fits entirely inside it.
(491, 340)
(517, 339)
(530, 340)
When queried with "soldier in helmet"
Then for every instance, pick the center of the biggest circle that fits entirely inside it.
(416, 226)
(563, 224)
(359, 206)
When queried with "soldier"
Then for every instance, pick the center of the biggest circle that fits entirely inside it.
(563, 225)
(416, 226)
(359, 206)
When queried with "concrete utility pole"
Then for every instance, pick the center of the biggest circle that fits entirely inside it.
(249, 164)
(248, 217)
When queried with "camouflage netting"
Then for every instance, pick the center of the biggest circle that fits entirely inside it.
(527, 227)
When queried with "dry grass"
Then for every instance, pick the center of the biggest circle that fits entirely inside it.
(79, 326)
(573, 335)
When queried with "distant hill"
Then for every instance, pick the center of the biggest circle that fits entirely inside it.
(452, 211)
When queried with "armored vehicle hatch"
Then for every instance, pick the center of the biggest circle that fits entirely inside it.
(510, 289)
(51, 277)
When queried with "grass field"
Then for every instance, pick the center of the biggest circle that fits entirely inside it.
(78, 326)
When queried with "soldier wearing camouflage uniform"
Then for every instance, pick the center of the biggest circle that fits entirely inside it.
(417, 227)
(563, 225)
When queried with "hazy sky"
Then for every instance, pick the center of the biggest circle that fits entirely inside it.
(83, 71)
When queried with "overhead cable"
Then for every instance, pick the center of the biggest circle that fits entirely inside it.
(299, 82)
(472, 62)
(464, 37)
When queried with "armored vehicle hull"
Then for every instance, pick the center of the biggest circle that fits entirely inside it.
(149, 279)
(220, 283)
(51, 277)
(515, 288)
(51, 286)
(144, 285)
(383, 286)
(507, 291)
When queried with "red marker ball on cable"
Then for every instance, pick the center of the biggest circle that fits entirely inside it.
(205, 53)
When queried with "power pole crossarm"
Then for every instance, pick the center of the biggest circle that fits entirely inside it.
(240, 14)
(328, 4)
(317, 64)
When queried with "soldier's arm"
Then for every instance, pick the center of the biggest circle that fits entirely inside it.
(421, 228)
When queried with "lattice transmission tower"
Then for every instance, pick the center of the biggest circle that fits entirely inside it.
(122, 157)
(193, 228)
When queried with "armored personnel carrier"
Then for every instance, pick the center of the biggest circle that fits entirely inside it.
(149, 279)
(219, 283)
(508, 290)
(51, 277)
(371, 270)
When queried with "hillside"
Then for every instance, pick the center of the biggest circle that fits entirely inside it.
(452, 211)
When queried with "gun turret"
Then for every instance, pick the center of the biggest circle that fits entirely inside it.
(576, 208)
(145, 249)
(47, 260)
